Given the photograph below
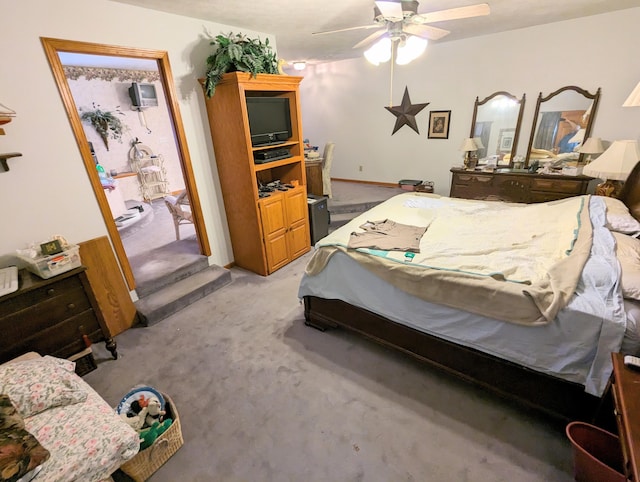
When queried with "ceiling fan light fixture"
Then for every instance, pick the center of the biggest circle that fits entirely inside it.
(299, 65)
(410, 49)
(379, 52)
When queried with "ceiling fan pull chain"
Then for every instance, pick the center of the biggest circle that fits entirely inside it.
(391, 79)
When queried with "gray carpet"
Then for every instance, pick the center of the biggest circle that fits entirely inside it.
(262, 397)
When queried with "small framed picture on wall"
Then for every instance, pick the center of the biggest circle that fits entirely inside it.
(439, 124)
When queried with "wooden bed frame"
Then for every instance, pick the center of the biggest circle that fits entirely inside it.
(553, 396)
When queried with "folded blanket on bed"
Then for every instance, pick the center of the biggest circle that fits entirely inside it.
(387, 235)
(513, 262)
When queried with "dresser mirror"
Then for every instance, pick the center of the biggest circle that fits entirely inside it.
(495, 127)
(562, 122)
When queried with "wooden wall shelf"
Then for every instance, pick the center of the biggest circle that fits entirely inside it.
(4, 157)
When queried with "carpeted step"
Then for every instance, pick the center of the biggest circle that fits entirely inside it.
(342, 208)
(165, 265)
(341, 219)
(176, 296)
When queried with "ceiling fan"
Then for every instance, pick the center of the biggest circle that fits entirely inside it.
(399, 19)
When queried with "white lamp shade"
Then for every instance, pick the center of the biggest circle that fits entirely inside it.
(616, 162)
(593, 145)
(634, 98)
(478, 142)
(410, 49)
(379, 52)
(468, 145)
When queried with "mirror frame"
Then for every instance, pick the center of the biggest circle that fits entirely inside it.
(516, 134)
(52, 47)
(587, 130)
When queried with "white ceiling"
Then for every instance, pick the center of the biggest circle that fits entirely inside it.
(293, 21)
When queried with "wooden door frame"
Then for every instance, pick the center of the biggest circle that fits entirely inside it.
(52, 46)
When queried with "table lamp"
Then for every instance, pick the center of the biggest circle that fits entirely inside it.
(614, 165)
(593, 145)
(468, 146)
(634, 98)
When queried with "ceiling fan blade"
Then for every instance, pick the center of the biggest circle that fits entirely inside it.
(390, 10)
(426, 31)
(477, 10)
(346, 29)
(370, 38)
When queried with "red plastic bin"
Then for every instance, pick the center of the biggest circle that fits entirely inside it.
(597, 454)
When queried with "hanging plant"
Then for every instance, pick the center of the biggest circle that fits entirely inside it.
(237, 53)
(105, 123)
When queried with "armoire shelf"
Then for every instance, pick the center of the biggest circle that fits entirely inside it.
(266, 233)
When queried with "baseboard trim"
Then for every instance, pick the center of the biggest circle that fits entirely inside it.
(372, 183)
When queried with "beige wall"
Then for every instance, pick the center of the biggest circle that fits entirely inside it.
(47, 190)
(450, 76)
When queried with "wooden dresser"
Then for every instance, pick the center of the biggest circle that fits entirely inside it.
(519, 187)
(625, 387)
(51, 316)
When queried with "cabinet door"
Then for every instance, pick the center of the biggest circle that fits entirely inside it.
(274, 230)
(298, 235)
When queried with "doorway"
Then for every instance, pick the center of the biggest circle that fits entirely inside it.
(54, 48)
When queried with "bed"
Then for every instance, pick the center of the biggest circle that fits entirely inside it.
(535, 324)
(58, 428)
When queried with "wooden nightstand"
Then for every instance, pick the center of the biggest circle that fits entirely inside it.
(625, 387)
(314, 176)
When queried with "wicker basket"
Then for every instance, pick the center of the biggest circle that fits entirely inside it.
(147, 461)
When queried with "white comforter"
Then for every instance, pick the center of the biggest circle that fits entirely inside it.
(575, 346)
(513, 262)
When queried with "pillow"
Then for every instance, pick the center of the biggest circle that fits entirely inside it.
(20, 452)
(42, 383)
(540, 154)
(628, 253)
(619, 218)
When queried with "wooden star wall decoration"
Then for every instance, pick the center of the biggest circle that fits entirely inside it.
(406, 113)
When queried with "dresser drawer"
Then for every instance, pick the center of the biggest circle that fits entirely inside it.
(62, 339)
(470, 178)
(51, 316)
(515, 187)
(40, 294)
(45, 314)
(557, 185)
(541, 197)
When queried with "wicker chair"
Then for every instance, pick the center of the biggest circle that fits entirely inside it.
(179, 208)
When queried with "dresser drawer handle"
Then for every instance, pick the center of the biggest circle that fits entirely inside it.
(51, 291)
(71, 306)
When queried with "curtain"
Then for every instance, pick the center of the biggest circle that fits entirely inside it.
(546, 130)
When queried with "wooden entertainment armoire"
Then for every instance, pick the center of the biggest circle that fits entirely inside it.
(266, 233)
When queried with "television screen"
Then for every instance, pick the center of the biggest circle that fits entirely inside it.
(269, 120)
(143, 95)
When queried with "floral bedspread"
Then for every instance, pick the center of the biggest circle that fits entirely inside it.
(87, 440)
